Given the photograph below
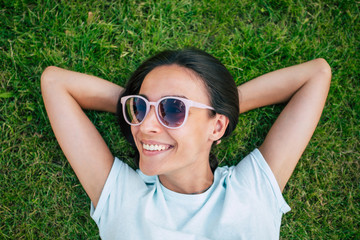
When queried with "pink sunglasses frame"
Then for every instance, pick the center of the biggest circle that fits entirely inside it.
(188, 104)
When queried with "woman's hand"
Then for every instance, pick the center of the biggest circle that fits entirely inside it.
(65, 93)
(305, 87)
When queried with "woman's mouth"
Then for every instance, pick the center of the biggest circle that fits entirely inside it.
(155, 147)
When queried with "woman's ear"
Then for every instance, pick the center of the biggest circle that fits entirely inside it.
(220, 124)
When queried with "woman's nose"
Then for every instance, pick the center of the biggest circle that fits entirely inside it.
(151, 122)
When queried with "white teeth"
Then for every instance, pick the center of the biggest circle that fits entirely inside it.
(155, 147)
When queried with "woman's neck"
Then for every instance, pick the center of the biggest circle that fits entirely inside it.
(192, 182)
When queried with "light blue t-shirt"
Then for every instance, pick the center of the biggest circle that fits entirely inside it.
(244, 202)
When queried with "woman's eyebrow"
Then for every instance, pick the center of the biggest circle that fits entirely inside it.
(180, 96)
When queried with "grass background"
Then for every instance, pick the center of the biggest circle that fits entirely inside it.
(40, 197)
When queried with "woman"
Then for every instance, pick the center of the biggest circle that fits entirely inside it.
(174, 108)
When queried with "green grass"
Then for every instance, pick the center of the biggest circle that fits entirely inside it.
(40, 197)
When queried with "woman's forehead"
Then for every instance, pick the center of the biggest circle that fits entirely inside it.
(174, 80)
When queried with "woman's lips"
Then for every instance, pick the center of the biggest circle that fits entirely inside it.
(155, 147)
(152, 147)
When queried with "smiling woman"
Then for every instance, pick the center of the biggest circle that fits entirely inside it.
(190, 144)
(202, 71)
(179, 192)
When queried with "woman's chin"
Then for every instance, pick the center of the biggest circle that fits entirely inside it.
(152, 163)
(148, 168)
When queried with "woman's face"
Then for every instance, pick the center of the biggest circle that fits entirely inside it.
(183, 150)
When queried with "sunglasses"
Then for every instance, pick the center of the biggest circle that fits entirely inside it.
(172, 112)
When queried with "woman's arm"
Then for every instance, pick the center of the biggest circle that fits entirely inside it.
(65, 94)
(305, 87)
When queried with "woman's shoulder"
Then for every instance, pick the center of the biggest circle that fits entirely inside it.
(243, 165)
(251, 171)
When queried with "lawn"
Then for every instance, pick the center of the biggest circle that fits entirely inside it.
(40, 196)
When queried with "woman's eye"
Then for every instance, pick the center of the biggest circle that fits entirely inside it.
(176, 107)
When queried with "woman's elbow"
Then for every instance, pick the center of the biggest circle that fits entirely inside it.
(49, 81)
(324, 69)
(48, 73)
(49, 78)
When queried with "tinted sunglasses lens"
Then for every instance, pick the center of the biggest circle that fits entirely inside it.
(172, 112)
(135, 110)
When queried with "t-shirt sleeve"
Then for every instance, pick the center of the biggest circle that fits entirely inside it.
(255, 173)
(120, 181)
